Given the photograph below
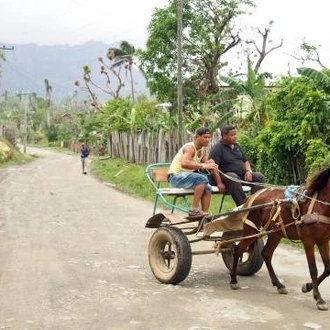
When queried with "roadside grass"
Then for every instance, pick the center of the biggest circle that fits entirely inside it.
(17, 158)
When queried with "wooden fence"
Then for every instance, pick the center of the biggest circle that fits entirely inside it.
(147, 147)
(143, 147)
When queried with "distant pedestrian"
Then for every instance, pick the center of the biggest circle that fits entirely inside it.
(84, 153)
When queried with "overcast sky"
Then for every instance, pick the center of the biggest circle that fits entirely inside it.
(78, 21)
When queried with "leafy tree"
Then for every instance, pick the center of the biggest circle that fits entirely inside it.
(300, 120)
(209, 34)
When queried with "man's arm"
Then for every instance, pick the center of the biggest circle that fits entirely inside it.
(187, 159)
(248, 171)
(191, 164)
(216, 175)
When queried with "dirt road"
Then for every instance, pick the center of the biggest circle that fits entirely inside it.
(73, 255)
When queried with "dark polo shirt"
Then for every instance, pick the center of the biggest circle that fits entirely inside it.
(228, 159)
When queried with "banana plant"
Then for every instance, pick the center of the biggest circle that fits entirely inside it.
(318, 76)
(249, 96)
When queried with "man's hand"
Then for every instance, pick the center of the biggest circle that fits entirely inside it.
(222, 188)
(248, 176)
(210, 166)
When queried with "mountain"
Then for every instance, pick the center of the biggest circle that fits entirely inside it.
(28, 65)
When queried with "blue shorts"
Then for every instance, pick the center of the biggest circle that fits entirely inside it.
(189, 180)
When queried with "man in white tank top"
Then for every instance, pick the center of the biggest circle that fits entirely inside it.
(183, 172)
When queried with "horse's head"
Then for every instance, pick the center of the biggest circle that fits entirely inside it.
(319, 181)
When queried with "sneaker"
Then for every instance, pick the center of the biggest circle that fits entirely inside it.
(238, 207)
(85, 173)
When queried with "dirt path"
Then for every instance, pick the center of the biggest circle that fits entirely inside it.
(73, 255)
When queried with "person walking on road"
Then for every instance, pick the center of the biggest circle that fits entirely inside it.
(84, 153)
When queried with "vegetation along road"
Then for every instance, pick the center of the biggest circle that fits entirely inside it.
(73, 255)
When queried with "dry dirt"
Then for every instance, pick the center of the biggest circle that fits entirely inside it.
(73, 255)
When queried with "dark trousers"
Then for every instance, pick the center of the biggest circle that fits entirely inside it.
(235, 188)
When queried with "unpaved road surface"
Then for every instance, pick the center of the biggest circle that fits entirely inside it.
(73, 255)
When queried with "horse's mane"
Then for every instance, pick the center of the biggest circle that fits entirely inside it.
(318, 181)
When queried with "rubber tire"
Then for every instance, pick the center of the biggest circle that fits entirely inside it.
(173, 242)
(252, 261)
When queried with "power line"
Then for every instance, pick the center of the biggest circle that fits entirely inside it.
(7, 48)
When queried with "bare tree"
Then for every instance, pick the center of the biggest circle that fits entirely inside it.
(308, 52)
(261, 48)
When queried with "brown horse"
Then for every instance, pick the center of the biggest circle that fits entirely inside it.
(306, 218)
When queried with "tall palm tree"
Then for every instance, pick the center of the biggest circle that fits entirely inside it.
(124, 56)
(49, 90)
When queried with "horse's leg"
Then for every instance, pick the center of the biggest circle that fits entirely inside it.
(324, 252)
(267, 254)
(238, 251)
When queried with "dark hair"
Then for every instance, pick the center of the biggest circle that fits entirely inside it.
(202, 131)
(226, 128)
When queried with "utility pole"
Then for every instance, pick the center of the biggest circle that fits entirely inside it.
(2, 48)
(26, 102)
(179, 91)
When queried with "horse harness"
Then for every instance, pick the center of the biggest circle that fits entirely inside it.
(275, 215)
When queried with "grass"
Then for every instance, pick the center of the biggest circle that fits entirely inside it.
(17, 158)
(131, 179)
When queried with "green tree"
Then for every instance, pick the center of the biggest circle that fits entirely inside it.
(300, 120)
(209, 34)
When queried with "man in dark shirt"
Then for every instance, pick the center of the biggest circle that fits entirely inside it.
(232, 162)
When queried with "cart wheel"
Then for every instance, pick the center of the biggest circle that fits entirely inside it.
(251, 260)
(169, 255)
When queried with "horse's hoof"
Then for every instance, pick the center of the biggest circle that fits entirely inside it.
(234, 286)
(322, 306)
(282, 291)
(306, 287)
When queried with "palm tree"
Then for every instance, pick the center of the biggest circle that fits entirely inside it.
(124, 56)
(49, 90)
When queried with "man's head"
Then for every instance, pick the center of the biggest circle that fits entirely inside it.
(203, 136)
(202, 130)
(228, 134)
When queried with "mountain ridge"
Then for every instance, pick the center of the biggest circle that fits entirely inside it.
(28, 65)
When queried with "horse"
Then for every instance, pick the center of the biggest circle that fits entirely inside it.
(305, 218)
